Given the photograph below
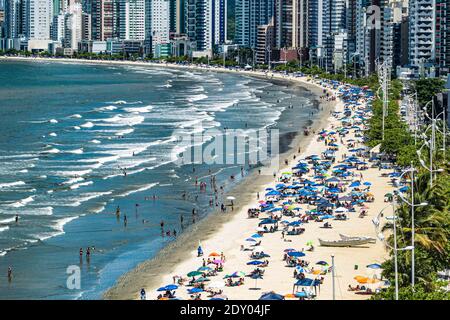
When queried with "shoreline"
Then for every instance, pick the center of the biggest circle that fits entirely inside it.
(180, 254)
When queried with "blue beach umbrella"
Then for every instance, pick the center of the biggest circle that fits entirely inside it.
(271, 296)
(250, 239)
(256, 236)
(374, 266)
(296, 254)
(254, 263)
(195, 290)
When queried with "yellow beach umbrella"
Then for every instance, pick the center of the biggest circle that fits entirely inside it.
(361, 279)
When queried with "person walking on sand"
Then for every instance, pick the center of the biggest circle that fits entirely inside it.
(143, 295)
(10, 273)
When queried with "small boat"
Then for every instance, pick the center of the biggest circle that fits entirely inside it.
(343, 243)
(345, 237)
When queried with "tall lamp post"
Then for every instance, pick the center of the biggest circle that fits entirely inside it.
(412, 205)
(395, 249)
(269, 51)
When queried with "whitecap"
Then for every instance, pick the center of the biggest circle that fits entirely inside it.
(197, 97)
(107, 108)
(140, 189)
(95, 141)
(76, 127)
(11, 184)
(145, 109)
(3, 228)
(52, 134)
(53, 121)
(87, 125)
(53, 150)
(76, 116)
(23, 202)
(76, 151)
(77, 185)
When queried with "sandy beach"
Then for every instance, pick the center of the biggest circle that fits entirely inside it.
(225, 232)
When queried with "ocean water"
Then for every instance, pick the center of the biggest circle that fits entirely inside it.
(67, 134)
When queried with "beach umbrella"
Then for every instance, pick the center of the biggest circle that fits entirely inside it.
(239, 274)
(214, 254)
(259, 229)
(340, 210)
(169, 287)
(296, 254)
(254, 263)
(204, 269)
(195, 290)
(289, 250)
(307, 282)
(367, 184)
(300, 269)
(217, 261)
(328, 216)
(219, 297)
(201, 279)
(322, 263)
(250, 240)
(355, 184)
(271, 296)
(256, 276)
(256, 236)
(361, 279)
(194, 273)
(374, 266)
(290, 296)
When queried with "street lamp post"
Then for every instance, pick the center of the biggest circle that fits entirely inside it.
(394, 218)
(413, 229)
(269, 50)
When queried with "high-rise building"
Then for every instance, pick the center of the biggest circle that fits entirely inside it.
(102, 19)
(291, 23)
(160, 23)
(57, 27)
(133, 20)
(422, 28)
(14, 19)
(206, 23)
(320, 35)
(73, 27)
(86, 26)
(265, 43)
(38, 18)
(441, 31)
(249, 14)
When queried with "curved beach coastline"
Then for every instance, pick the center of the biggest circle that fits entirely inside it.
(224, 232)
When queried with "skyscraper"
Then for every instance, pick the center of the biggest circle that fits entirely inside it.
(160, 22)
(38, 18)
(320, 37)
(102, 19)
(291, 23)
(206, 23)
(14, 18)
(422, 45)
(133, 20)
(249, 14)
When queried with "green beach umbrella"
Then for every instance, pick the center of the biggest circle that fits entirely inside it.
(194, 273)
(202, 279)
